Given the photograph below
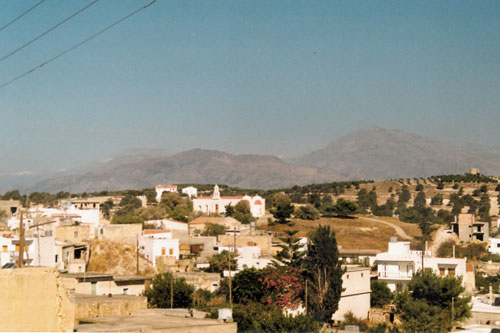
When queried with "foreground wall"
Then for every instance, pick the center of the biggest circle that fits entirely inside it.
(34, 299)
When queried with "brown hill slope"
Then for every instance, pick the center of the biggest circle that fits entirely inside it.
(377, 153)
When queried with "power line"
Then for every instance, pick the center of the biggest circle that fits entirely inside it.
(77, 45)
(21, 15)
(47, 31)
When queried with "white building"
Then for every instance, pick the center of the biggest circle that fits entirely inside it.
(494, 245)
(356, 294)
(216, 204)
(192, 192)
(160, 189)
(247, 257)
(156, 243)
(397, 266)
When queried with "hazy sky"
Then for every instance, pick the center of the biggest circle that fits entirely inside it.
(277, 77)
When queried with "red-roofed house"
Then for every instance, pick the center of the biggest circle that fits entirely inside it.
(164, 188)
(216, 204)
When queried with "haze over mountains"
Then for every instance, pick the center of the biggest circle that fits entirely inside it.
(368, 153)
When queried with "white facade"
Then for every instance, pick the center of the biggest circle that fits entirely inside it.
(158, 244)
(216, 204)
(164, 188)
(397, 266)
(494, 245)
(356, 296)
(190, 191)
(248, 257)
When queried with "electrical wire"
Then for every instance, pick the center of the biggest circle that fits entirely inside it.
(48, 31)
(21, 15)
(77, 45)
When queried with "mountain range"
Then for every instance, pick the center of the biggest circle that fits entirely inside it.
(369, 153)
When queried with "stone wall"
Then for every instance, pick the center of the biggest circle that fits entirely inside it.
(34, 299)
(104, 306)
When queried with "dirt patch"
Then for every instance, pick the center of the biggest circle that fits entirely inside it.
(351, 233)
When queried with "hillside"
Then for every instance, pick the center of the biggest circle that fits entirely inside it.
(194, 166)
(369, 153)
(377, 153)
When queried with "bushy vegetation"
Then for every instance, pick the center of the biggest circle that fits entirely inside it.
(381, 294)
(159, 293)
(466, 178)
(426, 305)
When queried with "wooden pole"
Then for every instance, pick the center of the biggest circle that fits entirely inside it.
(21, 242)
(172, 291)
(137, 256)
(306, 296)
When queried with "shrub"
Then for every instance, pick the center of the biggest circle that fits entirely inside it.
(381, 294)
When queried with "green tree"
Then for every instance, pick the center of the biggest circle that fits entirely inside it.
(381, 294)
(282, 207)
(419, 202)
(159, 294)
(106, 207)
(291, 253)
(437, 200)
(242, 212)
(427, 306)
(128, 203)
(221, 262)
(127, 219)
(419, 187)
(483, 188)
(324, 272)
(247, 286)
(484, 208)
(345, 208)
(405, 195)
(307, 212)
(229, 210)
(213, 229)
(440, 186)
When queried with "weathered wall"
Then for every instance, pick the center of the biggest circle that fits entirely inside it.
(34, 299)
(126, 233)
(73, 233)
(103, 306)
(264, 242)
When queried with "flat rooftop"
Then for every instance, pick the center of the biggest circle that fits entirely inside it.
(154, 320)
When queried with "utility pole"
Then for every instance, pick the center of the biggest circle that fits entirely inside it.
(172, 291)
(21, 242)
(306, 296)
(137, 256)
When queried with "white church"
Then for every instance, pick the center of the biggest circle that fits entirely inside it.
(216, 204)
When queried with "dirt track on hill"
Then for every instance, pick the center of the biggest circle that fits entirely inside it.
(401, 233)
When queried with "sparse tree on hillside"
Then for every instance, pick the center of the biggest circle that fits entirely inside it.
(307, 212)
(405, 195)
(282, 207)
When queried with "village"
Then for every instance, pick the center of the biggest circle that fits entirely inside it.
(94, 267)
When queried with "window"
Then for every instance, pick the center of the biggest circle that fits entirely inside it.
(125, 291)
(451, 271)
(171, 252)
(56, 257)
(498, 244)
(163, 251)
(441, 271)
(4, 248)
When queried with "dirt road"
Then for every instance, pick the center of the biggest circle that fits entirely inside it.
(401, 233)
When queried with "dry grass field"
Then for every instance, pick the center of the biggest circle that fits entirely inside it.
(351, 233)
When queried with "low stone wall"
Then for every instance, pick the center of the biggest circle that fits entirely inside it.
(104, 306)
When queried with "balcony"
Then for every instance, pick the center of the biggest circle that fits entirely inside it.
(395, 275)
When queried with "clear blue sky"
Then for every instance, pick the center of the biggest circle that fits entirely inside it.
(256, 76)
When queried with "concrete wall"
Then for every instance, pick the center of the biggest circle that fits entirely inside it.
(34, 299)
(356, 296)
(124, 233)
(73, 233)
(103, 306)
(201, 280)
(264, 242)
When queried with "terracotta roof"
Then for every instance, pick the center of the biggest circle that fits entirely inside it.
(167, 186)
(258, 202)
(469, 268)
(155, 231)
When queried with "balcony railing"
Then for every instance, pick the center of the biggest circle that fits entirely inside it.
(395, 275)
